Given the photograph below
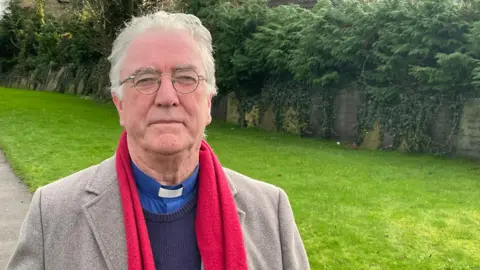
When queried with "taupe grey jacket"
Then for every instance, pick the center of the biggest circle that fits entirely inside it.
(77, 223)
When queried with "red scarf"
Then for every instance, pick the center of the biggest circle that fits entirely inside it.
(218, 230)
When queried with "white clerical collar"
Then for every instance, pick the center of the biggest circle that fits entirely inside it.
(169, 193)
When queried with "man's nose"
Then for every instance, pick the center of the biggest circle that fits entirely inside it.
(166, 94)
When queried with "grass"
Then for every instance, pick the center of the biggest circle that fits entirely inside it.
(355, 209)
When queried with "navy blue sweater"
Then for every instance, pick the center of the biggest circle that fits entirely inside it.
(173, 239)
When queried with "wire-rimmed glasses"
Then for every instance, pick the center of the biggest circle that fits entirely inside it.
(147, 81)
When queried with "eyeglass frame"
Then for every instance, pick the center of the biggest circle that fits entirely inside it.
(153, 70)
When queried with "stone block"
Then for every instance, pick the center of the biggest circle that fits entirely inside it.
(346, 105)
(252, 117)
(468, 143)
(267, 122)
(232, 109)
(371, 138)
(291, 123)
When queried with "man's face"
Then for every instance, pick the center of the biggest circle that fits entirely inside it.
(167, 121)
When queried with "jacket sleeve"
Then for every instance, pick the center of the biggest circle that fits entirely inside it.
(294, 255)
(28, 253)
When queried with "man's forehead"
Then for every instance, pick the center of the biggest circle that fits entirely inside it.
(163, 52)
(164, 39)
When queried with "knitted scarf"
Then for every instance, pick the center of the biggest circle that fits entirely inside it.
(217, 226)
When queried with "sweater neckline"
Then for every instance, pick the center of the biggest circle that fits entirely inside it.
(170, 217)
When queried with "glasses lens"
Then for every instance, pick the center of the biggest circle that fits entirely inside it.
(185, 81)
(147, 83)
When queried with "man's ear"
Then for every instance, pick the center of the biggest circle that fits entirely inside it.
(209, 104)
(210, 96)
(119, 105)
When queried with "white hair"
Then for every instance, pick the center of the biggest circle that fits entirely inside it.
(162, 20)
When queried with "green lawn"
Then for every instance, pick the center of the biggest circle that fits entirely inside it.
(355, 209)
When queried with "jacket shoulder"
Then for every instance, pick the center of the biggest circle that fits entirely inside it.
(70, 193)
(244, 183)
(251, 191)
(69, 185)
(95, 178)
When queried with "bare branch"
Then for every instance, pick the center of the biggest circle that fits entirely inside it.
(13, 43)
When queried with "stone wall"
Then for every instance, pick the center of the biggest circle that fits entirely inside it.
(83, 81)
(253, 119)
(346, 104)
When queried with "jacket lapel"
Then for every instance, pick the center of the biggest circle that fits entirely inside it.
(105, 215)
(233, 188)
(241, 216)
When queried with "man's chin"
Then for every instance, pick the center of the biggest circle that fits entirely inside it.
(167, 144)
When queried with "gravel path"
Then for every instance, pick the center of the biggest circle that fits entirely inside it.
(14, 202)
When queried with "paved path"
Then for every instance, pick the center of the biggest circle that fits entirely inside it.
(14, 202)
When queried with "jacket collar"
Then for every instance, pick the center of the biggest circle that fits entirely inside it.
(105, 176)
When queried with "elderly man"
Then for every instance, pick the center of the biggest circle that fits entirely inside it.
(163, 201)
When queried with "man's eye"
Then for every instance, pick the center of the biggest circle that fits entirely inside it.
(185, 80)
(144, 81)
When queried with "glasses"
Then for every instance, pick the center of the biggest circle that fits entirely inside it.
(147, 81)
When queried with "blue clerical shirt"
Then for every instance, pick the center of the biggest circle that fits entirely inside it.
(149, 190)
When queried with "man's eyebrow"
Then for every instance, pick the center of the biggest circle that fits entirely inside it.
(144, 70)
(177, 67)
(185, 66)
